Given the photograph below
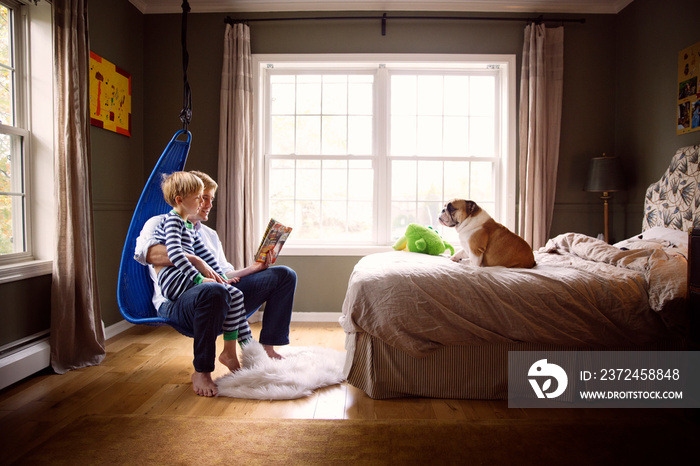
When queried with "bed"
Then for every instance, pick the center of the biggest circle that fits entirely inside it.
(424, 326)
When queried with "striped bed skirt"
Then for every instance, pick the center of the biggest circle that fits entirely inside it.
(477, 372)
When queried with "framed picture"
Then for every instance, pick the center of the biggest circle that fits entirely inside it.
(110, 96)
(688, 105)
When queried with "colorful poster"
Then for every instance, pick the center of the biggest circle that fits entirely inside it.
(688, 108)
(110, 96)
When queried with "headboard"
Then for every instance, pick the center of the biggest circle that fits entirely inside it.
(674, 200)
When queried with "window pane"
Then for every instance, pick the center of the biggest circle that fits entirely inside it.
(335, 95)
(456, 180)
(281, 180)
(457, 95)
(429, 99)
(335, 138)
(482, 95)
(307, 221)
(428, 213)
(308, 95)
(12, 236)
(361, 184)
(360, 135)
(335, 180)
(429, 136)
(456, 136)
(308, 180)
(6, 97)
(360, 219)
(308, 135)
(430, 181)
(481, 136)
(283, 211)
(282, 134)
(334, 216)
(403, 180)
(402, 213)
(482, 188)
(5, 36)
(282, 98)
(360, 99)
(403, 135)
(403, 95)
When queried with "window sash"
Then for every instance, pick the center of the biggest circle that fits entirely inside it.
(16, 195)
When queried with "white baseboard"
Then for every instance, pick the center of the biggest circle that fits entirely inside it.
(24, 363)
(316, 317)
(37, 356)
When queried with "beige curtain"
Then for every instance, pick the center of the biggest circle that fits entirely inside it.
(236, 206)
(541, 84)
(77, 338)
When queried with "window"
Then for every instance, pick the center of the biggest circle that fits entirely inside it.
(13, 136)
(354, 149)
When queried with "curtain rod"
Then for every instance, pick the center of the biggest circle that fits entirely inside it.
(385, 17)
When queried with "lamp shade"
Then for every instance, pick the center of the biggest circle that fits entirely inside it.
(605, 175)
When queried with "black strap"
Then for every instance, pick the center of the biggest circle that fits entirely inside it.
(186, 112)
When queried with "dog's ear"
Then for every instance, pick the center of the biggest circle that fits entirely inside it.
(472, 208)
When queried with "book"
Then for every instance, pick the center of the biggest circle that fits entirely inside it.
(273, 240)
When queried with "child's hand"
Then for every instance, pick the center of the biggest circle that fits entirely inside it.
(208, 280)
(233, 280)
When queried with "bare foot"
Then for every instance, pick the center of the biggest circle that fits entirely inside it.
(203, 385)
(230, 361)
(270, 350)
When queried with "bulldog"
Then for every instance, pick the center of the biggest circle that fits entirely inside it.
(485, 242)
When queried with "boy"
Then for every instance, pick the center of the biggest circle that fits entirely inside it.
(183, 191)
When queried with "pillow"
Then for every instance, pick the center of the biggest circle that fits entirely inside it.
(662, 236)
(675, 237)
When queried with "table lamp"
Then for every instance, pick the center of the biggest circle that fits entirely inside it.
(605, 176)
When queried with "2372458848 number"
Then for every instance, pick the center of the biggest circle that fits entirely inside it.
(639, 374)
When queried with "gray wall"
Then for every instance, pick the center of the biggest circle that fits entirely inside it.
(619, 98)
(649, 36)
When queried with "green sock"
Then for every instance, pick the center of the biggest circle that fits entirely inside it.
(229, 336)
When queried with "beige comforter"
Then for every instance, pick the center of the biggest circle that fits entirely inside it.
(582, 292)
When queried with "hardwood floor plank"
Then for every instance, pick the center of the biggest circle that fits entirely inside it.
(447, 409)
(357, 404)
(331, 402)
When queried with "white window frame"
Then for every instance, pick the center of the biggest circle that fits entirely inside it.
(505, 171)
(34, 122)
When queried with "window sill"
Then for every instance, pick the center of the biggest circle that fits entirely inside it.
(308, 250)
(23, 270)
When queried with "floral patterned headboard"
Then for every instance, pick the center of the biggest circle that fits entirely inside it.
(674, 200)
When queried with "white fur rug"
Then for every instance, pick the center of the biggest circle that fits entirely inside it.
(303, 370)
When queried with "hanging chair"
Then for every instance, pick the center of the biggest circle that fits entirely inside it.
(135, 287)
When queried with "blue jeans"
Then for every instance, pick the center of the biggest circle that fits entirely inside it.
(202, 309)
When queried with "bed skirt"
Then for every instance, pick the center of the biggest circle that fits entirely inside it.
(453, 372)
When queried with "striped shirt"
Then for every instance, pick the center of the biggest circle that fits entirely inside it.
(179, 238)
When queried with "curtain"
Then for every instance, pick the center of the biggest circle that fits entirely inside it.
(77, 337)
(236, 206)
(541, 84)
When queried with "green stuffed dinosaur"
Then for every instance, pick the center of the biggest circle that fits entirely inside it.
(426, 240)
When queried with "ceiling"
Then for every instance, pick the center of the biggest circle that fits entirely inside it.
(511, 6)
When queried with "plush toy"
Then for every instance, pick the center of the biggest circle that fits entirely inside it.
(426, 240)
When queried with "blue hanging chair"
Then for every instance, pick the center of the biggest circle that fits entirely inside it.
(135, 287)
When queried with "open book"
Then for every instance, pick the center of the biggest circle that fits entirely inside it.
(275, 236)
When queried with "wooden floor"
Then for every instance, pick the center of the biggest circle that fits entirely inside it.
(147, 372)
